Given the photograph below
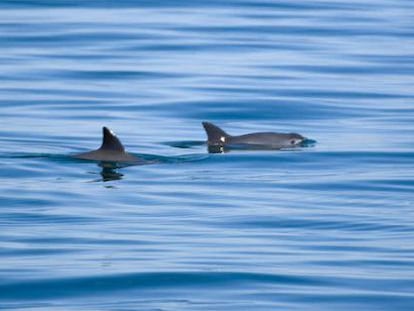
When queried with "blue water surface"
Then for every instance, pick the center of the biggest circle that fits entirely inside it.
(329, 226)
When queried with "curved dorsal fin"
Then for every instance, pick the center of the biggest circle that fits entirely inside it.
(110, 141)
(215, 134)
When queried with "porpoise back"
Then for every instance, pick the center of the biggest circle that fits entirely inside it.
(217, 137)
(111, 150)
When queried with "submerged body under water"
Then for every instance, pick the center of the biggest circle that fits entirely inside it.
(318, 227)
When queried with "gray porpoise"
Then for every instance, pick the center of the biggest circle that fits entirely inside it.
(111, 150)
(218, 137)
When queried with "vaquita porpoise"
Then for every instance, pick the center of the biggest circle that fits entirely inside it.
(267, 140)
(111, 150)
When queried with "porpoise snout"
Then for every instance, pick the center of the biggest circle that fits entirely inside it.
(296, 139)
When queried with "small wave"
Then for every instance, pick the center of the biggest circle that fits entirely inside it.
(185, 144)
(96, 285)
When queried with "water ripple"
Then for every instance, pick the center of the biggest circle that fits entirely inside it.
(327, 226)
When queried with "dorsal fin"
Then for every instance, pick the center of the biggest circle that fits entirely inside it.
(215, 134)
(110, 141)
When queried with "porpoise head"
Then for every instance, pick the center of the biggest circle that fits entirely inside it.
(295, 139)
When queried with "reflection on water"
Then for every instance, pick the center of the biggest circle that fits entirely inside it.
(256, 147)
(237, 147)
(110, 174)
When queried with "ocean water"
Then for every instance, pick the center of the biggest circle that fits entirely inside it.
(329, 226)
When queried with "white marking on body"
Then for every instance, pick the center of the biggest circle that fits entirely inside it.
(223, 139)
